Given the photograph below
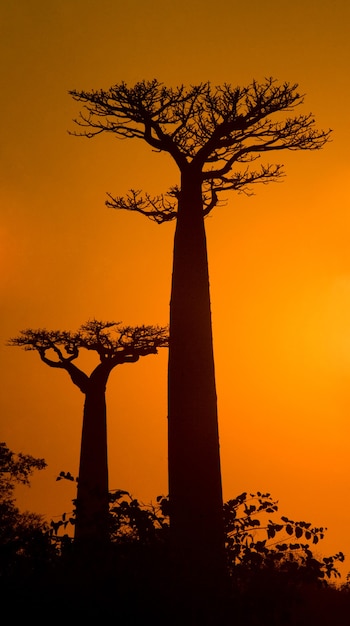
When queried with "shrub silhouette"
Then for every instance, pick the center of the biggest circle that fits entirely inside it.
(274, 577)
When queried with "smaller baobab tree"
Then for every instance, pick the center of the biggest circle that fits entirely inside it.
(114, 344)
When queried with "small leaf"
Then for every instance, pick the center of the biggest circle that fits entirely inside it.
(271, 532)
(260, 546)
(278, 527)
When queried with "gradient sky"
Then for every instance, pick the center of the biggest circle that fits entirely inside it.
(279, 260)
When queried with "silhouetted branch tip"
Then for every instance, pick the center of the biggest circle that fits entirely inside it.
(157, 208)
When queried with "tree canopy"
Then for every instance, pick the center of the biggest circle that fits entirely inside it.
(113, 342)
(16, 469)
(219, 132)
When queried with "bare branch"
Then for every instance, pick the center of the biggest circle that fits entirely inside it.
(242, 181)
(158, 208)
(43, 340)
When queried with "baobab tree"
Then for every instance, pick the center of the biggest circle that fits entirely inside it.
(215, 135)
(114, 344)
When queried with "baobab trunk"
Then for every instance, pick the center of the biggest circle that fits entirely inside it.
(195, 489)
(92, 508)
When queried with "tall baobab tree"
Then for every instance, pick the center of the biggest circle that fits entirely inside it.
(114, 344)
(215, 135)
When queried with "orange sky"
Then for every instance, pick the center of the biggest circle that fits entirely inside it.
(279, 261)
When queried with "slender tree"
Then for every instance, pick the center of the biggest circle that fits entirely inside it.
(114, 345)
(215, 135)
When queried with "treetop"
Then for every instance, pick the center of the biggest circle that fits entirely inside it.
(213, 133)
(111, 340)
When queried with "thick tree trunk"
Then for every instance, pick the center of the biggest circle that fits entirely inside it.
(92, 494)
(193, 443)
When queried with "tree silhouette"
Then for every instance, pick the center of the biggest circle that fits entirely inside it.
(24, 536)
(114, 345)
(215, 136)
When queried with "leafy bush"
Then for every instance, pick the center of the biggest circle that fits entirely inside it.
(254, 540)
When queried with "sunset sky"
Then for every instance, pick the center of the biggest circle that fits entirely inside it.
(279, 260)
